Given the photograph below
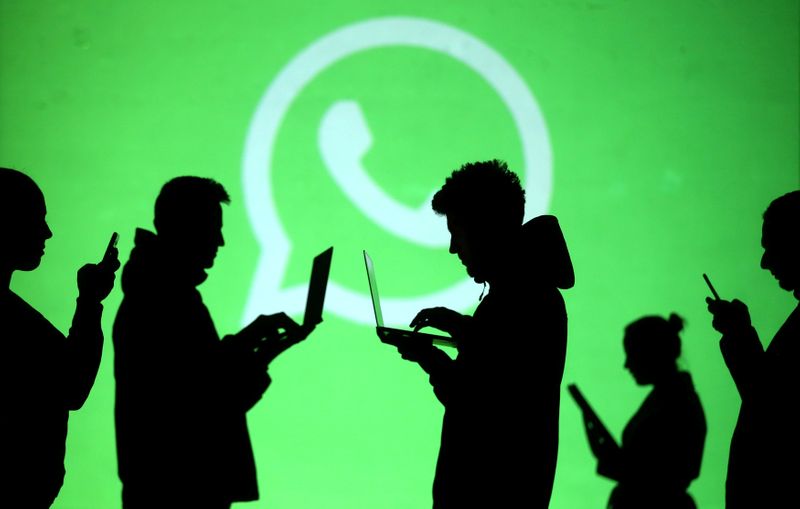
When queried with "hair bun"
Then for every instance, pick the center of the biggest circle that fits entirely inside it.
(675, 322)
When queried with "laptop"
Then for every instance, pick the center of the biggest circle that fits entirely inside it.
(313, 313)
(396, 336)
(314, 300)
(590, 414)
(316, 288)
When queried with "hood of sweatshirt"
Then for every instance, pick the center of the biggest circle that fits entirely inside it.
(151, 267)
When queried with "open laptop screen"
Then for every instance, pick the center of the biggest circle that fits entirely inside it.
(317, 286)
(373, 290)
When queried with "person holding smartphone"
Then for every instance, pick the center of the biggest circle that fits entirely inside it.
(765, 446)
(43, 375)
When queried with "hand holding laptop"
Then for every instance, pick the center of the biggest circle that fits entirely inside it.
(273, 347)
(442, 318)
(267, 328)
(601, 442)
(398, 337)
(270, 335)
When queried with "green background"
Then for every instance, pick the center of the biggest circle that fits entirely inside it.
(672, 124)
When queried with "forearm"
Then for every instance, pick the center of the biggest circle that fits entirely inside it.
(442, 374)
(743, 355)
(84, 351)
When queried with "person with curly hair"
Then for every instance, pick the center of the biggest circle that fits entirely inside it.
(501, 393)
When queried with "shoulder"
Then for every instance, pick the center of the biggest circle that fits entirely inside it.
(25, 328)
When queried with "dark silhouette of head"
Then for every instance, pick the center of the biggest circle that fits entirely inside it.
(188, 219)
(22, 219)
(780, 238)
(484, 204)
(652, 347)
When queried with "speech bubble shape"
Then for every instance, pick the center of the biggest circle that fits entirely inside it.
(275, 103)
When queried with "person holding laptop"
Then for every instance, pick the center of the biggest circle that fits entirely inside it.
(182, 395)
(501, 393)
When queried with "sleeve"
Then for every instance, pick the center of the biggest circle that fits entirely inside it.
(443, 373)
(84, 349)
(244, 378)
(744, 357)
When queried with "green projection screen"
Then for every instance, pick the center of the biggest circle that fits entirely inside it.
(658, 132)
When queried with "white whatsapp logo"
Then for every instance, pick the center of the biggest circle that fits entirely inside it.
(344, 138)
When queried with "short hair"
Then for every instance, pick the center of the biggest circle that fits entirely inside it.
(17, 190)
(182, 198)
(657, 336)
(486, 193)
(783, 214)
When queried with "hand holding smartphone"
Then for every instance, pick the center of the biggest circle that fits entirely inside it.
(110, 252)
(95, 280)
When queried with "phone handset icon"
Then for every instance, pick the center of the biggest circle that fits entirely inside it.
(344, 138)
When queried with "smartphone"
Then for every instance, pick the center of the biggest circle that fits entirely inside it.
(711, 287)
(112, 243)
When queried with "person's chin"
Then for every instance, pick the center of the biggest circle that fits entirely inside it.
(789, 287)
(31, 262)
(475, 277)
(784, 283)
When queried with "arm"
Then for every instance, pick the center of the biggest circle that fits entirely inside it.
(436, 363)
(247, 355)
(84, 347)
(601, 443)
(740, 345)
(244, 375)
(270, 335)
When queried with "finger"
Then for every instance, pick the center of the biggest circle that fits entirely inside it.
(111, 254)
(421, 317)
(285, 321)
(110, 264)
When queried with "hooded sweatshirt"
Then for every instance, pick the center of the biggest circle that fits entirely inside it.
(181, 393)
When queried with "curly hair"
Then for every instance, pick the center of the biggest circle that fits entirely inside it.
(485, 193)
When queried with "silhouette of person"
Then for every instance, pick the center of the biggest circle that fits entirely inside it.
(499, 439)
(182, 394)
(662, 444)
(43, 375)
(765, 447)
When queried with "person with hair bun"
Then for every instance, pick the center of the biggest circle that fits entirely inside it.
(662, 444)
